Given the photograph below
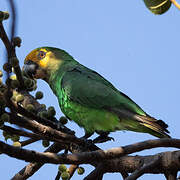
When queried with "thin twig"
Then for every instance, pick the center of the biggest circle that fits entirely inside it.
(12, 52)
(27, 142)
(13, 15)
(14, 131)
(4, 38)
(72, 169)
(176, 3)
(58, 176)
(124, 174)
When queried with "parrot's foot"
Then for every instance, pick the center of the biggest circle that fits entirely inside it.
(87, 141)
(103, 137)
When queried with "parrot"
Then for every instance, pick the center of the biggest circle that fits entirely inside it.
(87, 98)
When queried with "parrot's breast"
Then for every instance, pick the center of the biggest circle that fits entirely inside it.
(90, 119)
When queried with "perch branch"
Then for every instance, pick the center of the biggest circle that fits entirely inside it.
(125, 163)
(81, 158)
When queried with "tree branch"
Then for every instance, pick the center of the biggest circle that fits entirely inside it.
(27, 142)
(85, 157)
(20, 132)
(48, 132)
(171, 175)
(31, 168)
(8, 43)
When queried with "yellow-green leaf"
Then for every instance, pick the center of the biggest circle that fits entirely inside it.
(158, 6)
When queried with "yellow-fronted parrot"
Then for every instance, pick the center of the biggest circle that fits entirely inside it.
(87, 98)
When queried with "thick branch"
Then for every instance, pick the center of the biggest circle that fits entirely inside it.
(76, 158)
(125, 163)
(144, 168)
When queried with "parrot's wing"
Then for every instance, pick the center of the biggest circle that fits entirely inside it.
(90, 89)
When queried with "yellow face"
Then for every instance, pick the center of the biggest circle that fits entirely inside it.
(37, 61)
(40, 57)
(41, 61)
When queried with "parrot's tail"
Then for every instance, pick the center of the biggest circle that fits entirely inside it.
(158, 126)
(140, 123)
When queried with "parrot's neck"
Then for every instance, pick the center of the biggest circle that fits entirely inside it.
(55, 76)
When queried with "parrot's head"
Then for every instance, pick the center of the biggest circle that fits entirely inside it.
(41, 62)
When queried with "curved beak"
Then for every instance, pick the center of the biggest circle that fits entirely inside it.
(30, 68)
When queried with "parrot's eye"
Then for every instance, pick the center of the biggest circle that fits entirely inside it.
(41, 54)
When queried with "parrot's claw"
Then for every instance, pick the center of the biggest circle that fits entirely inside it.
(102, 139)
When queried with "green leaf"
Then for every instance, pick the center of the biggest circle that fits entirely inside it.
(158, 6)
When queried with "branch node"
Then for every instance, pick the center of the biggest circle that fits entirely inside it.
(139, 172)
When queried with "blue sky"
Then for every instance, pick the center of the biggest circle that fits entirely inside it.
(123, 41)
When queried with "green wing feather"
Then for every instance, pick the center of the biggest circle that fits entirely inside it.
(90, 89)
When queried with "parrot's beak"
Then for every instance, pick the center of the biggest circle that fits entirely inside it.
(30, 68)
(33, 70)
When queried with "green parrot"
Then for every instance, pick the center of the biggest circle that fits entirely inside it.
(87, 98)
